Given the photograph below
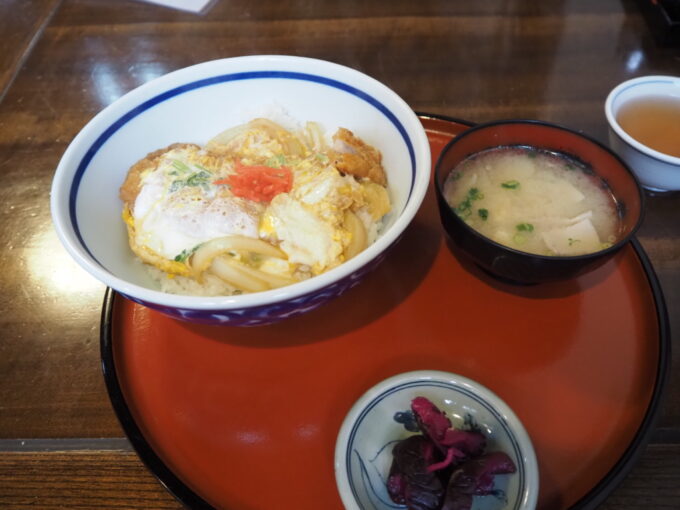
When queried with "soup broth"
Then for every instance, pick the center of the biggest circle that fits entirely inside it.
(653, 121)
(534, 201)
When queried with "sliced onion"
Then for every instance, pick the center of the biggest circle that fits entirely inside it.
(359, 237)
(290, 143)
(294, 147)
(234, 276)
(201, 259)
(313, 133)
(216, 143)
(272, 280)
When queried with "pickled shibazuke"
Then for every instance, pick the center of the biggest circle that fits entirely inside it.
(534, 200)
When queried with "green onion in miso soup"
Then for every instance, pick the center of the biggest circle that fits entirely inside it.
(534, 200)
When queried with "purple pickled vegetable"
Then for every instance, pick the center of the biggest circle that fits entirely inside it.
(431, 420)
(396, 485)
(470, 442)
(455, 500)
(444, 468)
(455, 444)
(409, 482)
(475, 478)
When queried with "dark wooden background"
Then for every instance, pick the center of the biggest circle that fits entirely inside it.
(62, 61)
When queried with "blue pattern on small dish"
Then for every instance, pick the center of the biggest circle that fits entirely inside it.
(363, 449)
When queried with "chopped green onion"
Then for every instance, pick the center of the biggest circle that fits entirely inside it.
(519, 239)
(276, 161)
(513, 184)
(185, 254)
(201, 178)
(180, 165)
(198, 178)
(483, 213)
(176, 185)
(525, 227)
(464, 209)
(572, 241)
(475, 194)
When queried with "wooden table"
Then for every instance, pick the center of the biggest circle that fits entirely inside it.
(62, 61)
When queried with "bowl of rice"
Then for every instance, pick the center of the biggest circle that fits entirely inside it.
(242, 191)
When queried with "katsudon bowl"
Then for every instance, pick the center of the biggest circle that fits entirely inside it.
(192, 105)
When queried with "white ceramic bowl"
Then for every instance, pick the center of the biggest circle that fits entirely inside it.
(363, 451)
(194, 104)
(655, 170)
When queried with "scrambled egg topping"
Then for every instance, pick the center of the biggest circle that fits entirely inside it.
(257, 181)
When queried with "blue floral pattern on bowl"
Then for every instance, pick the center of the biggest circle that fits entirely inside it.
(268, 314)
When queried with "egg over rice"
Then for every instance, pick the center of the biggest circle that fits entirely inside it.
(258, 207)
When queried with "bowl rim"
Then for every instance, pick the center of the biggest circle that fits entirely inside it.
(616, 127)
(399, 113)
(564, 258)
(515, 428)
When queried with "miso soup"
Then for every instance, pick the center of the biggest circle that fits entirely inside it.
(534, 201)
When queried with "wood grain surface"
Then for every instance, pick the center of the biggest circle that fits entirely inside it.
(88, 479)
(62, 61)
(21, 25)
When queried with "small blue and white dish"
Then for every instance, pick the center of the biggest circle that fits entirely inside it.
(379, 419)
(193, 104)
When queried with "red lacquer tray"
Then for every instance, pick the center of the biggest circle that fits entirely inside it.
(246, 418)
